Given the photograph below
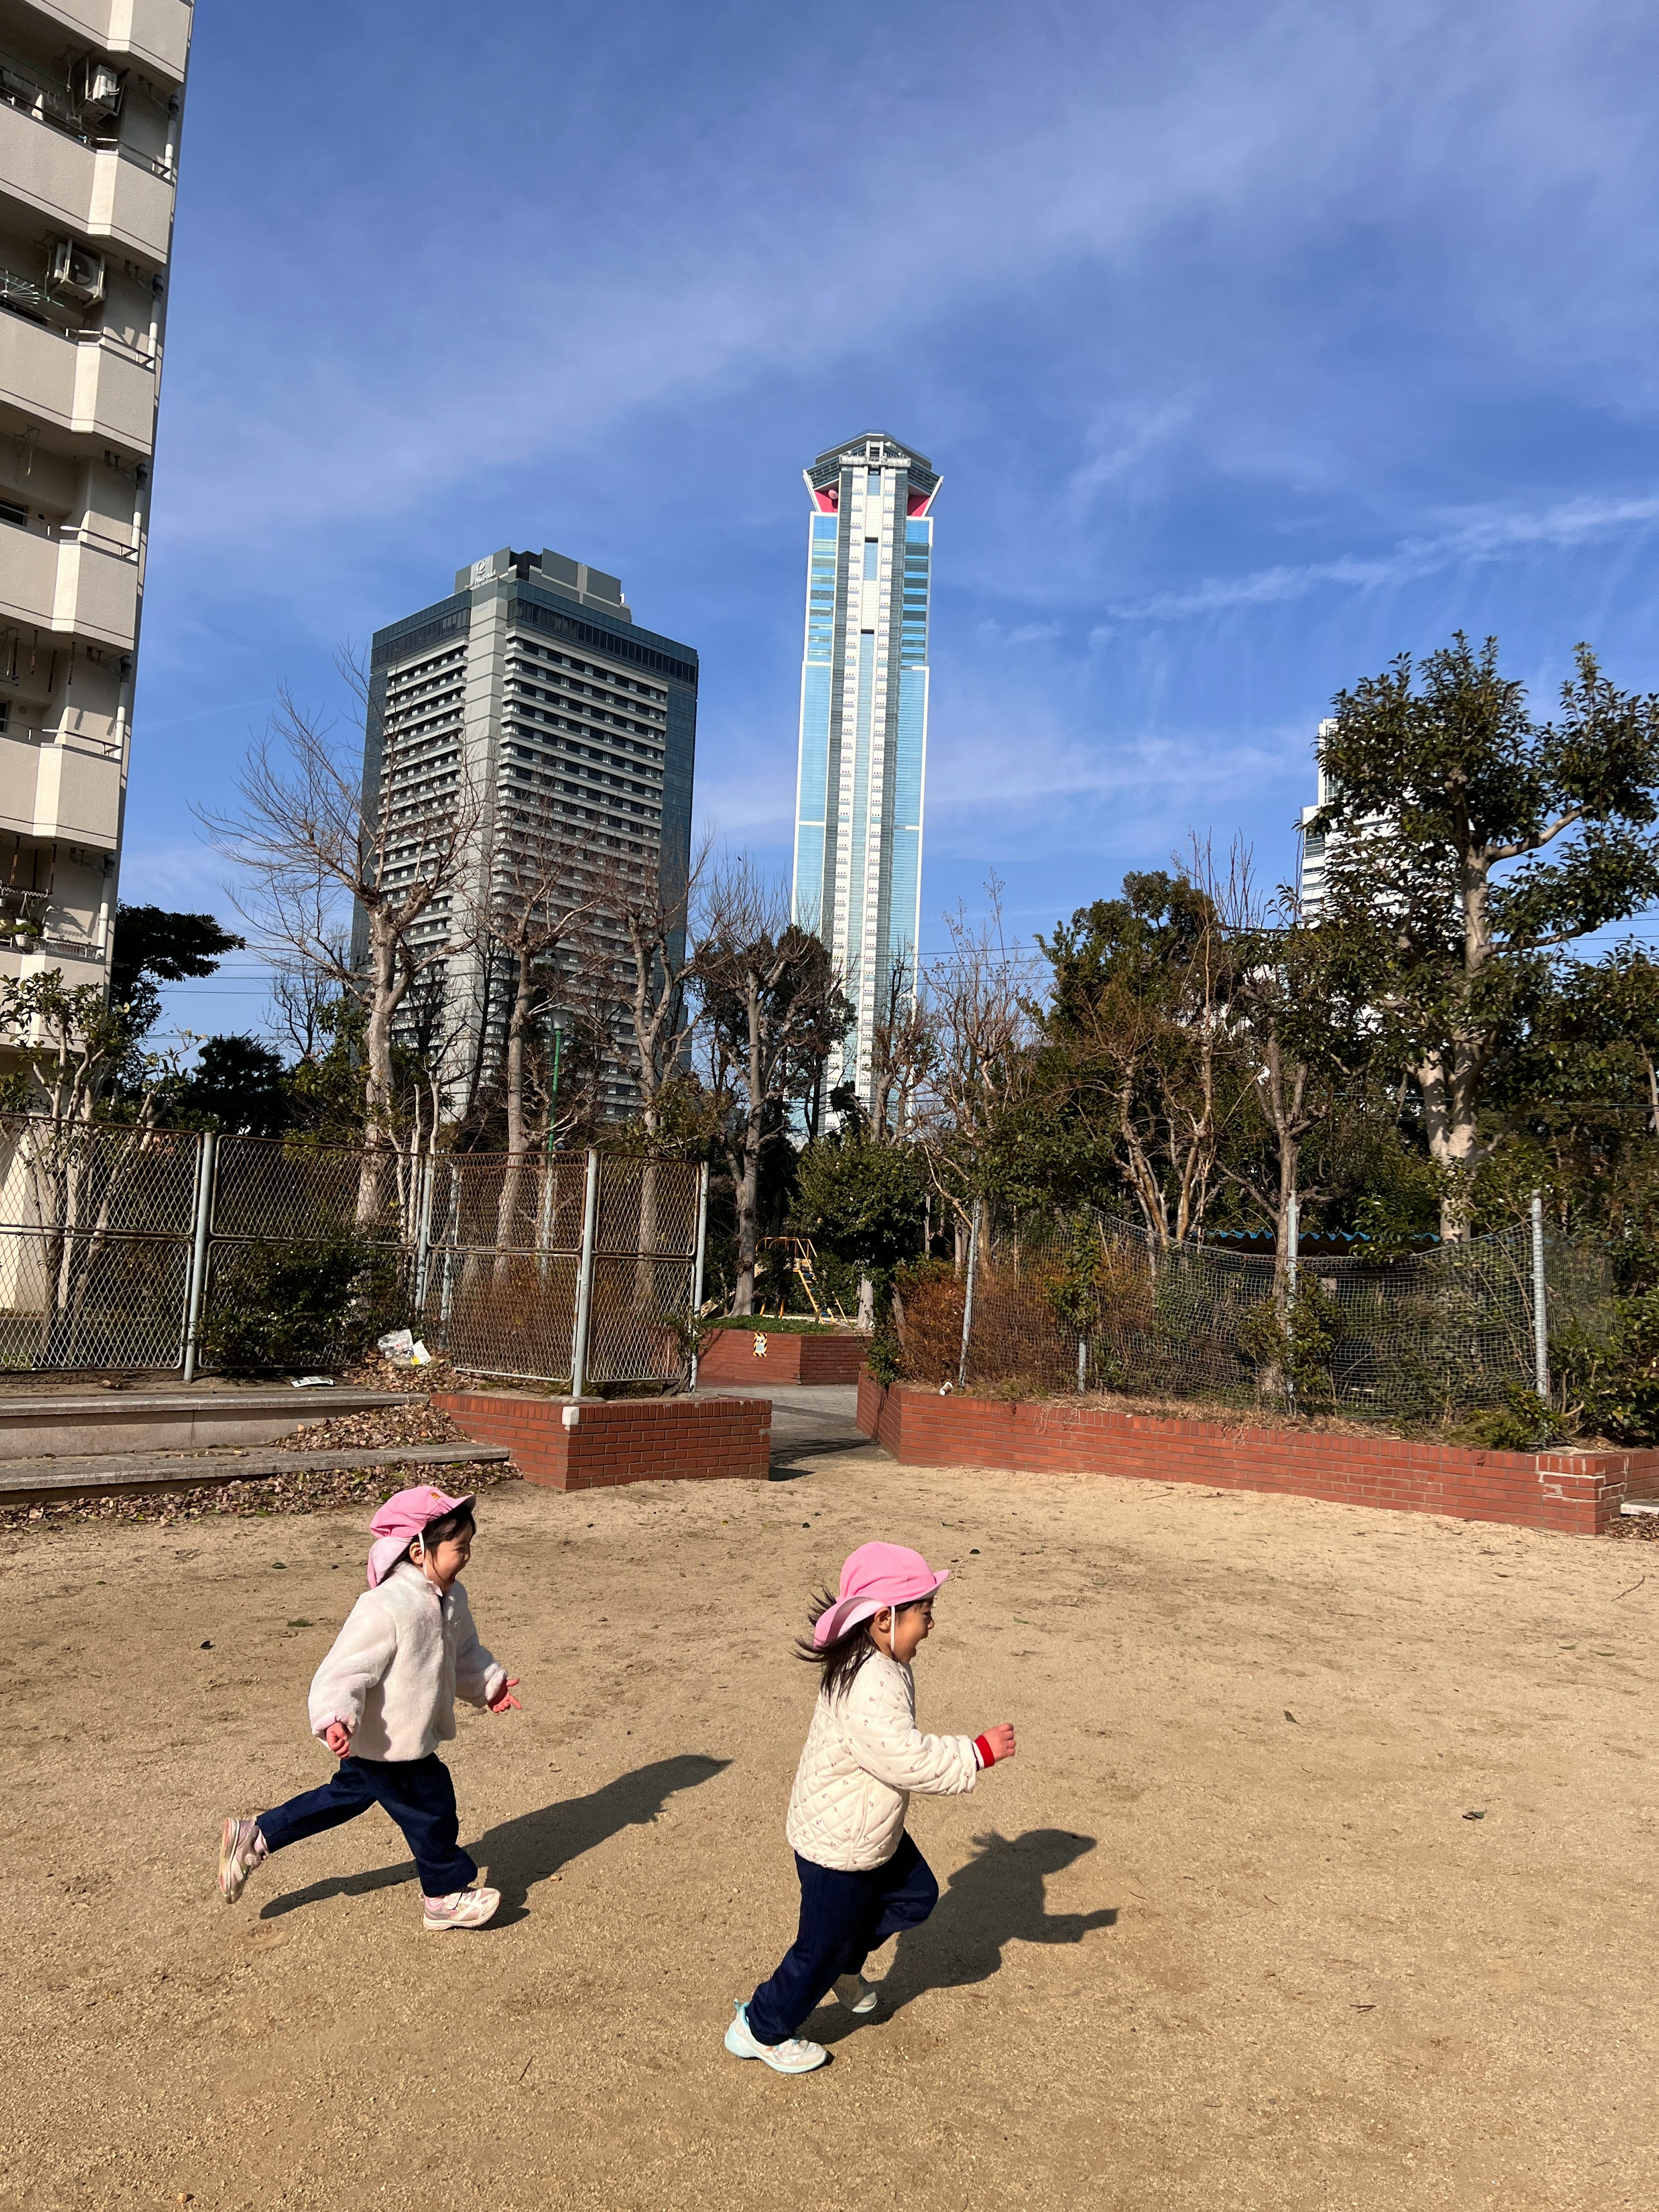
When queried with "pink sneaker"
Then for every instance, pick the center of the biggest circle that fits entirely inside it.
(241, 1848)
(462, 1908)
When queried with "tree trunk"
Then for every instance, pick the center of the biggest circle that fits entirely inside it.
(385, 997)
(747, 1189)
(518, 1140)
(866, 1303)
(1449, 1079)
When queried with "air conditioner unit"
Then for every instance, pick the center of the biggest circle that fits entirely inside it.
(75, 272)
(97, 87)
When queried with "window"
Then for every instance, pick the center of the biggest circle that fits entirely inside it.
(871, 557)
(17, 516)
(873, 485)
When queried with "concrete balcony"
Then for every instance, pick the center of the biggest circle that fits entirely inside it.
(68, 792)
(156, 32)
(84, 587)
(92, 190)
(89, 385)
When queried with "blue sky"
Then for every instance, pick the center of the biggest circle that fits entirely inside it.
(1255, 343)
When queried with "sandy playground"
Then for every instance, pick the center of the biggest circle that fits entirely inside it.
(1223, 1935)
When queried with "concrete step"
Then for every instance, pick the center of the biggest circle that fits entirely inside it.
(109, 1474)
(72, 1423)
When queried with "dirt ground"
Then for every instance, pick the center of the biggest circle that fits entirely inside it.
(1223, 1935)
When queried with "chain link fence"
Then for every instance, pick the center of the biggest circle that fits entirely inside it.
(1092, 1302)
(119, 1247)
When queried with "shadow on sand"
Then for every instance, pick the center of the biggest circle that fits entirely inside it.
(996, 1899)
(522, 1852)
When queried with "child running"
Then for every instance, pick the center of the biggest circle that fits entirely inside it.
(861, 1878)
(384, 1699)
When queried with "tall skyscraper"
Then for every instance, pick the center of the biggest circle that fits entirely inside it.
(91, 98)
(864, 724)
(532, 690)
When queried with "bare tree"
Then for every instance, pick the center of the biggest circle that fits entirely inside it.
(976, 996)
(312, 835)
(774, 1007)
(651, 907)
(535, 904)
(904, 1052)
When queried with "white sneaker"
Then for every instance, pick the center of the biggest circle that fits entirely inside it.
(462, 1908)
(241, 1848)
(792, 2056)
(856, 1994)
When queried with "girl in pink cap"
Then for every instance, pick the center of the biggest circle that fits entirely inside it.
(861, 1878)
(384, 1699)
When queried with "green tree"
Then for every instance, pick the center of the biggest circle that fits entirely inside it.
(1445, 796)
(238, 1086)
(151, 946)
(864, 1202)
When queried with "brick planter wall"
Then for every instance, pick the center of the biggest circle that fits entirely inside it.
(1576, 1493)
(729, 1355)
(621, 1440)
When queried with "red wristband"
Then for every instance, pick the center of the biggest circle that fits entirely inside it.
(987, 1756)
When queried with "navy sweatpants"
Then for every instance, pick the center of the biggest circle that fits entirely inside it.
(844, 1917)
(417, 1792)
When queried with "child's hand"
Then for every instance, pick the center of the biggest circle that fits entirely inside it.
(504, 1701)
(337, 1736)
(1001, 1739)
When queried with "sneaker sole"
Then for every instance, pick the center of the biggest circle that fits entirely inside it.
(753, 2050)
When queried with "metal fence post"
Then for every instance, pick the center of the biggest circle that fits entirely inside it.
(585, 1275)
(968, 1298)
(696, 1267)
(1540, 1313)
(207, 1160)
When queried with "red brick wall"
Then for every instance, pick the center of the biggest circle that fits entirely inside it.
(620, 1439)
(1576, 1493)
(729, 1355)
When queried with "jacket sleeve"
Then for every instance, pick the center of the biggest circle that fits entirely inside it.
(360, 1656)
(887, 1743)
(478, 1677)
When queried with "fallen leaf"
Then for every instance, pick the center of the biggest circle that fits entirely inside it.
(1290, 1716)
(1474, 1816)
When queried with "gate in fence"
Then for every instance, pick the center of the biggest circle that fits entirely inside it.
(118, 1245)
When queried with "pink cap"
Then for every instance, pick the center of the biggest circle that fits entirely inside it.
(876, 1575)
(401, 1519)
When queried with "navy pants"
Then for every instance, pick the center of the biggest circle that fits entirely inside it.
(844, 1917)
(418, 1794)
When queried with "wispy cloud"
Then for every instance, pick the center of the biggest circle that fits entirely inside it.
(1489, 537)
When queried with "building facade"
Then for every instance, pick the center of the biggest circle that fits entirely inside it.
(863, 759)
(91, 101)
(532, 691)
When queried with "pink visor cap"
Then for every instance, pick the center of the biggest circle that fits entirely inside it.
(875, 1576)
(401, 1519)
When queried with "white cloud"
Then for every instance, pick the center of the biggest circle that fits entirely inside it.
(1486, 537)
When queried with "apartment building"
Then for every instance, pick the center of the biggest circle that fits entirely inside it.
(862, 763)
(91, 101)
(532, 694)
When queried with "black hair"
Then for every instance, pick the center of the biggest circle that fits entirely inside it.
(440, 1531)
(841, 1657)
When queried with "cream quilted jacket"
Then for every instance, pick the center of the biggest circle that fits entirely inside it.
(863, 1757)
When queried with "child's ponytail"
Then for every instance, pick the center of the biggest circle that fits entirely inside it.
(843, 1655)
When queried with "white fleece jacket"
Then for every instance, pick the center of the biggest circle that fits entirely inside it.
(864, 1755)
(402, 1657)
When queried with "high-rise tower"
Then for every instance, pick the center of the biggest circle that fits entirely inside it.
(91, 99)
(863, 724)
(532, 689)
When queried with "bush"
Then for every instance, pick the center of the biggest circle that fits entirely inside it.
(320, 1304)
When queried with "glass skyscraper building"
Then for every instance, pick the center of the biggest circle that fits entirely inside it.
(863, 724)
